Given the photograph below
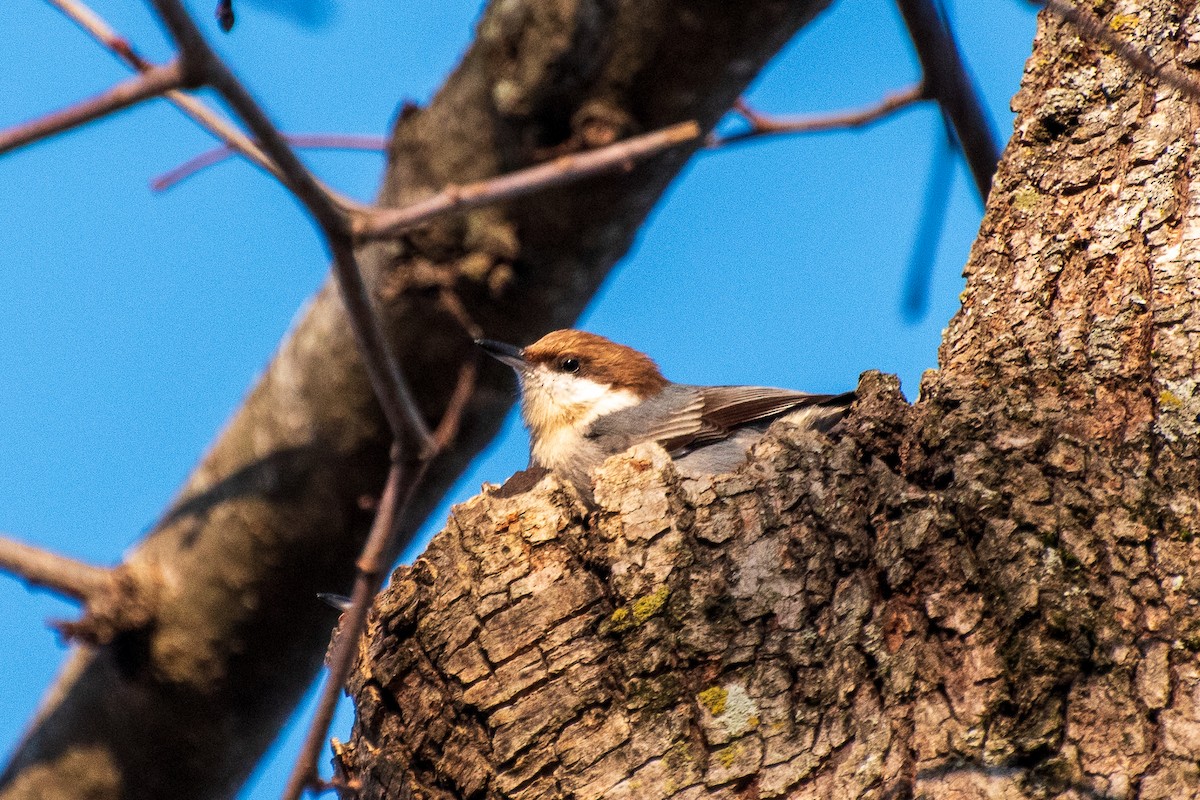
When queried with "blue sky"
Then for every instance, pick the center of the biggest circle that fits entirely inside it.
(133, 323)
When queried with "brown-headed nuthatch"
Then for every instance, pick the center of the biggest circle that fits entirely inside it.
(585, 398)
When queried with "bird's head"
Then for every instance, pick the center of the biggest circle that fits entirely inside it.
(569, 378)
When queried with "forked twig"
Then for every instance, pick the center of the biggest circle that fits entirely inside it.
(299, 140)
(114, 601)
(763, 125)
(382, 365)
(379, 552)
(192, 107)
(149, 84)
(383, 223)
(98, 29)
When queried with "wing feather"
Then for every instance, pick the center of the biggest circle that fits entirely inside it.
(673, 419)
(728, 407)
(685, 417)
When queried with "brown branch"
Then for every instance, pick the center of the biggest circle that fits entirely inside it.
(382, 365)
(947, 81)
(114, 600)
(202, 115)
(366, 584)
(151, 83)
(764, 125)
(98, 29)
(1091, 28)
(60, 574)
(447, 430)
(218, 154)
(380, 551)
(384, 223)
(190, 106)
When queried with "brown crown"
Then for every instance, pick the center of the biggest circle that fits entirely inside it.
(599, 359)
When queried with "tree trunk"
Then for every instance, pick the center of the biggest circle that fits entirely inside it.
(992, 592)
(278, 509)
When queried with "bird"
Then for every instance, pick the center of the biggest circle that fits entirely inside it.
(585, 398)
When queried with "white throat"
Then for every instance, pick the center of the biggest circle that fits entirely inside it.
(558, 408)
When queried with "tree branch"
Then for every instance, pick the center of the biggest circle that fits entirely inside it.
(149, 84)
(299, 140)
(60, 574)
(763, 125)
(366, 584)
(385, 223)
(382, 365)
(380, 552)
(947, 81)
(190, 106)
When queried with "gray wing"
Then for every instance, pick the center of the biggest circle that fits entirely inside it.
(683, 417)
(729, 407)
(674, 415)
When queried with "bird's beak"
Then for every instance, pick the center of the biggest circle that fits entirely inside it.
(504, 353)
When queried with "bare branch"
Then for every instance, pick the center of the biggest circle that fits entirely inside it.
(195, 51)
(447, 429)
(947, 81)
(151, 83)
(193, 107)
(98, 29)
(59, 574)
(366, 585)
(380, 551)
(763, 125)
(382, 365)
(300, 140)
(1091, 28)
(384, 223)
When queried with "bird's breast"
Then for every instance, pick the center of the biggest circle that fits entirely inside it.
(570, 454)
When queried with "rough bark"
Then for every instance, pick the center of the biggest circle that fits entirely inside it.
(278, 508)
(991, 593)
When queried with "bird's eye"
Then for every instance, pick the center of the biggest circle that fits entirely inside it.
(569, 365)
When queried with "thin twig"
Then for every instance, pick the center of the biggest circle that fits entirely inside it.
(947, 81)
(383, 366)
(190, 106)
(59, 574)
(366, 584)
(1091, 28)
(149, 84)
(763, 125)
(464, 389)
(915, 297)
(384, 223)
(380, 551)
(299, 140)
(98, 29)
